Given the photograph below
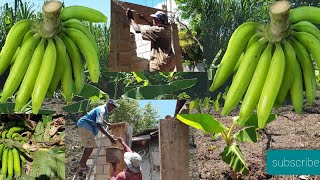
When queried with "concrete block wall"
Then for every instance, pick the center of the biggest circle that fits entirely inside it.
(103, 169)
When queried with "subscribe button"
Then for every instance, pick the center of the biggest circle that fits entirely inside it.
(293, 162)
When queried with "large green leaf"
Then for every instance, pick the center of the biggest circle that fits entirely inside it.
(152, 92)
(7, 108)
(89, 91)
(48, 164)
(253, 120)
(202, 121)
(232, 155)
(80, 106)
(140, 77)
(248, 134)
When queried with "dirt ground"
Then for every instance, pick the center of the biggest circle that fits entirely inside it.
(73, 146)
(289, 131)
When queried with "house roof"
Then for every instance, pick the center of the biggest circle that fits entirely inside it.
(147, 134)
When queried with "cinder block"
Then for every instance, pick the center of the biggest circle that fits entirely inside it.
(101, 177)
(101, 160)
(99, 169)
(106, 169)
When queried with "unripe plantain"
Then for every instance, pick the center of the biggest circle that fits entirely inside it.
(87, 50)
(4, 168)
(306, 26)
(253, 93)
(10, 164)
(76, 24)
(236, 46)
(77, 66)
(15, 56)
(16, 162)
(67, 83)
(19, 68)
(290, 57)
(13, 40)
(13, 130)
(255, 38)
(243, 77)
(307, 70)
(271, 86)
(30, 77)
(44, 77)
(305, 13)
(1, 150)
(82, 13)
(27, 36)
(311, 43)
(296, 89)
(60, 65)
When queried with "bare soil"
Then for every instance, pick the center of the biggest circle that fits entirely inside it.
(288, 131)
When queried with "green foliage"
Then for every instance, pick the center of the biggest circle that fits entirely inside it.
(130, 112)
(233, 156)
(12, 13)
(162, 85)
(190, 48)
(203, 122)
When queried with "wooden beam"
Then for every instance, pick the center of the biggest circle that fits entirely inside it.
(174, 150)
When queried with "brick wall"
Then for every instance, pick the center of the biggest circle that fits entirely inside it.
(103, 169)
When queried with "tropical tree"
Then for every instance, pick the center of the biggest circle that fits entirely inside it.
(140, 118)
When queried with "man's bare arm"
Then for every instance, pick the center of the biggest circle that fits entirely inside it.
(111, 138)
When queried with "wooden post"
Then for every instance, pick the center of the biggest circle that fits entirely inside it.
(176, 47)
(104, 169)
(174, 150)
(125, 131)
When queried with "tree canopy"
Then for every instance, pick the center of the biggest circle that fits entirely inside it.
(140, 118)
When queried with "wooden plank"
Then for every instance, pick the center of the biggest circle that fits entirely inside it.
(176, 47)
(174, 150)
(125, 131)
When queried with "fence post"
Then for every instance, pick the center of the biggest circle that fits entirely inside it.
(174, 150)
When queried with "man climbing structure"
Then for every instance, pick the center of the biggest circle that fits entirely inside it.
(162, 55)
(89, 126)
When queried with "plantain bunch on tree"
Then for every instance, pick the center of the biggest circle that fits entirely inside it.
(272, 61)
(12, 154)
(42, 55)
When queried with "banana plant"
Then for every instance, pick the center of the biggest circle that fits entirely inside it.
(232, 154)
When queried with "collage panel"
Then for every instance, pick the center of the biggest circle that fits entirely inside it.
(148, 144)
(148, 36)
(32, 146)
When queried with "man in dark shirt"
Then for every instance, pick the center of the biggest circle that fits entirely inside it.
(132, 160)
(162, 56)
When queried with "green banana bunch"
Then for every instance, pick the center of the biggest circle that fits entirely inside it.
(42, 61)
(11, 157)
(268, 70)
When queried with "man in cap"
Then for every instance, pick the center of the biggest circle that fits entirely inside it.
(132, 161)
(89, 126)
(162, 55)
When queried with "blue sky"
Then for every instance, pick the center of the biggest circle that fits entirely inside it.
(101, 5)
(164, 107)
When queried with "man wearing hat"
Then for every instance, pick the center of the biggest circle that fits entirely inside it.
(132, 161)
(89, 126)
(162, 56)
